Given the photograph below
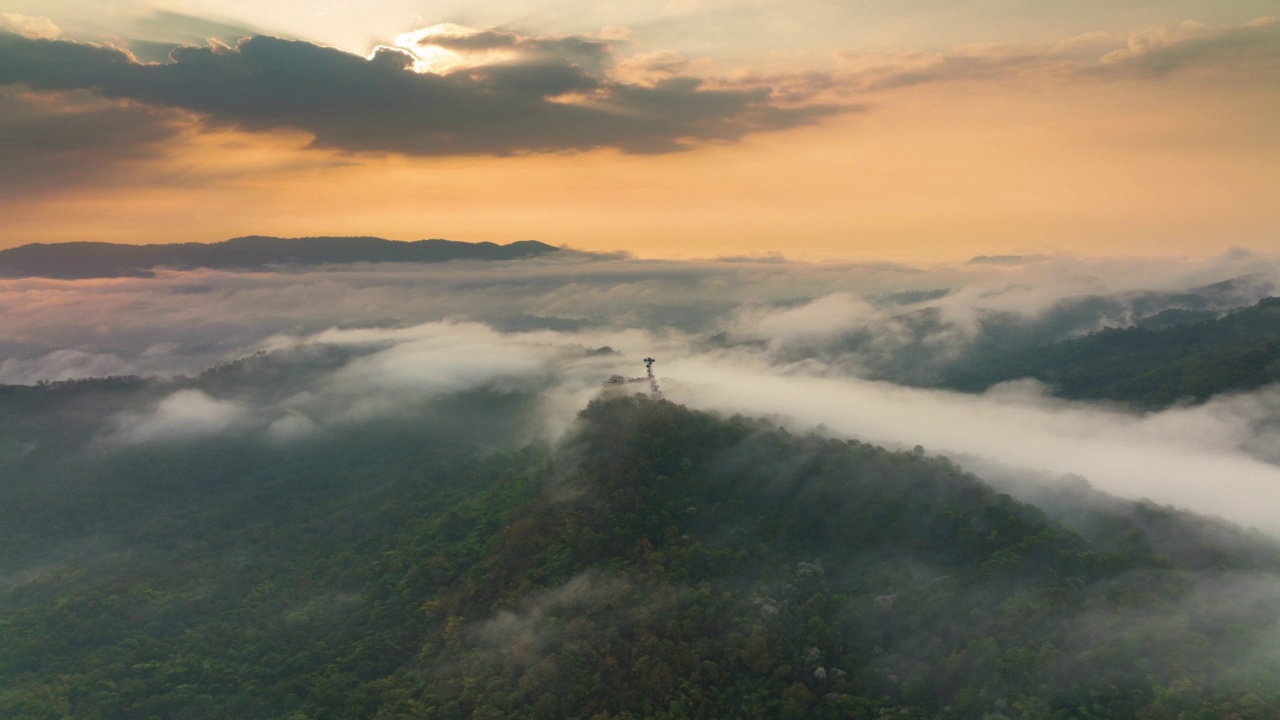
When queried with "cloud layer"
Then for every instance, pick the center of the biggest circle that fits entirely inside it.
(852, 316)
(1249, 52)
(537, 95)
(1199, 458)
(451, 90)
(184, 415)
(799, 341)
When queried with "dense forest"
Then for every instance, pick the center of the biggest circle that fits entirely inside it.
(1150, 365)
(657, 562)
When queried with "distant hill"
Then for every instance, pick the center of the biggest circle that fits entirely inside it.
(1151, 365)
(95, 259)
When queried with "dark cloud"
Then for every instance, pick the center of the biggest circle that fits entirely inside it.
(52, 142)
(381, 104)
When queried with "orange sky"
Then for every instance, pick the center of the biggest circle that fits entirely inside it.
(1082, 145)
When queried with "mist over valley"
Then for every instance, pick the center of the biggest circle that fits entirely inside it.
(878, 360)
(446, 489)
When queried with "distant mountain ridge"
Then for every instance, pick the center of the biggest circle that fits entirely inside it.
(1151, 365)
(98, 259)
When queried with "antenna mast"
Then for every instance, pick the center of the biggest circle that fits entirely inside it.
(655, 392)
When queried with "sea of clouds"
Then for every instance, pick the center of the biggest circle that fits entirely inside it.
(837, 346)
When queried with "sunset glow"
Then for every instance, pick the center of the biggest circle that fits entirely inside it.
(917, 134)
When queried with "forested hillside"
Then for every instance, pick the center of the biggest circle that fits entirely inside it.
(659, 562)
(1147, 366)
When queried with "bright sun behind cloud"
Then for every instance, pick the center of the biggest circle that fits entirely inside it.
(434, 58)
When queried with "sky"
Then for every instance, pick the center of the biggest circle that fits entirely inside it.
(906, 130)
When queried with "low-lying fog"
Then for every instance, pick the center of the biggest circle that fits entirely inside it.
(826, 344)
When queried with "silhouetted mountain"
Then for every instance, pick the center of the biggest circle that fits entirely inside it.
(94, 259)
